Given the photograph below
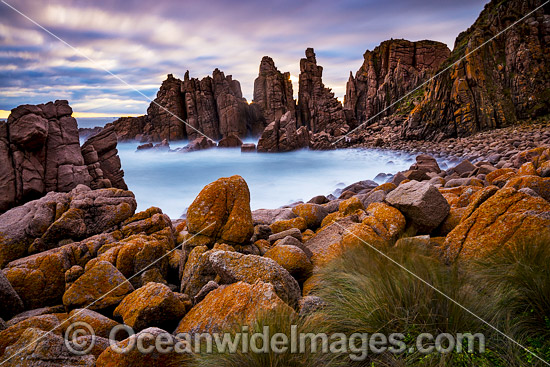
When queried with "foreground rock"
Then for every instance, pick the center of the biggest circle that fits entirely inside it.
(231, 306)
(102, 287)
(40, 279)
(325, 245)
(293, 259)
(421, 203)
(233, 267)
(221, 211)
(37, 347)
(500, 218)
(46, 323)
(9, 299)
(151, 305)
(41, 224)
(135, 358)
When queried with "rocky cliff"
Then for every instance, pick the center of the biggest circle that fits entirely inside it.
(388, 73)
(318, 109)
(500, 82)
(284, 135)
(273, 91)
(496, 85)
(184, 109)
(101, 156)
(40, 152)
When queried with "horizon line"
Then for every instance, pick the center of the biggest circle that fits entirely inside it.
(4, 114)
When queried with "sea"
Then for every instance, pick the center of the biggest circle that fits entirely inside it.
(172, 180)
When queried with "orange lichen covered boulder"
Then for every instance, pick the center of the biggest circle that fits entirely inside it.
(221, 211)
(386, 187)
(538, 184)
(350, 205)
(232, 305)
(152, 224)
(312, 213)
(151, 305)
(156, 358)
(331, 218)
(527, 169)
(100, 324)
(37, 347)
(325, 245)
(292, 258)
(362, 235)
(40, 279)
(284, 225)
(100, 287)
(506, 172)
(233, 267)
(452, 220)
(506, 217)
(392, 220)
(43, 322)
(135, 253)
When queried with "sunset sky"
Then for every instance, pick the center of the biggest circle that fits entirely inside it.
(142, 41)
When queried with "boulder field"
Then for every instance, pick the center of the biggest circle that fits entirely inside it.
(85, 255)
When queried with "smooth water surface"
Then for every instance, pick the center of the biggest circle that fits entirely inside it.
(171, 180)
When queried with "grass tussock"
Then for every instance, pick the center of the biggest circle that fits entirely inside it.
(279, 321)
(367, 292)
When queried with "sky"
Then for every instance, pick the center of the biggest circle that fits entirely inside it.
(142, 41)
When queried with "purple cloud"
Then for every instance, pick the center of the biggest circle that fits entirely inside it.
(143, 41)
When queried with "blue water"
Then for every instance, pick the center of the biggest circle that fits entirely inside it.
(171, 181)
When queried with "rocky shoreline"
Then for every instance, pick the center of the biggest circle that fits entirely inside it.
(224, 263)
(491, 145)
(73, 249)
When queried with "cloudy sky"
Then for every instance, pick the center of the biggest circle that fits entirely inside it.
(142, 41)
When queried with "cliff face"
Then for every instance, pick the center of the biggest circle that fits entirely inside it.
(200, 107)
(101, 157)
(318, 109)
(273, 91)
(388, 73)
(283, 135)
(162, 124)
(503, 81)
(40, 152)
(214, 106)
